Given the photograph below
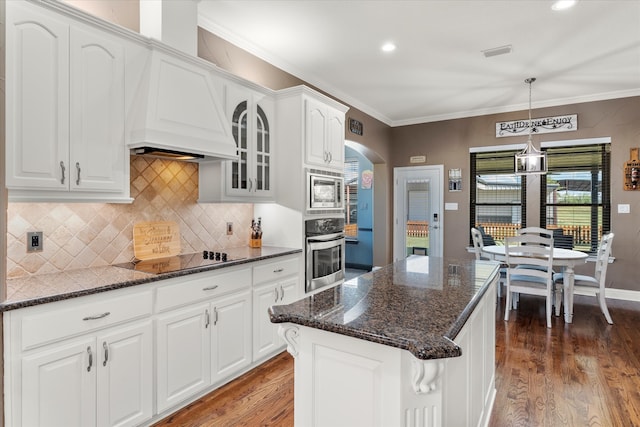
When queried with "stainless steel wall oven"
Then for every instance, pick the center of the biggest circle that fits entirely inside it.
(325, 251)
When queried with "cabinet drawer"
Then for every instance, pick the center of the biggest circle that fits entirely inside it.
(182, 291)
(49, 323)
(276, 270)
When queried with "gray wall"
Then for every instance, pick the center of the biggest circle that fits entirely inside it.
(448, 143)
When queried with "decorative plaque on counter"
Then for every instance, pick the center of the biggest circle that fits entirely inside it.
(156, 239)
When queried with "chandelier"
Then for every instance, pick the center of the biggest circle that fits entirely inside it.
(530, 160)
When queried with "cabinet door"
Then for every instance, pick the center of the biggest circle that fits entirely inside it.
(335, 140)
(238, 175)
(315, 132)
(263, 148)
(231, 335)
(266, 340)
(183, 354)
(37, 85)
(125, 375)
(97, 158)
(59, 385)
(289, 290)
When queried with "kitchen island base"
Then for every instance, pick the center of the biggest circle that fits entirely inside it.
(346, 381)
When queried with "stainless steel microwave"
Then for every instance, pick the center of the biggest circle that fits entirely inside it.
(324, 191)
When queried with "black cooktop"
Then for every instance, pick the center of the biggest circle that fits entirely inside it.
(178, 262)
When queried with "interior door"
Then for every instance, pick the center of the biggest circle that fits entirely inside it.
(418, 206)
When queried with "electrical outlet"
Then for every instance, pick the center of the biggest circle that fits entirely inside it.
(35, 241)
(229, 228)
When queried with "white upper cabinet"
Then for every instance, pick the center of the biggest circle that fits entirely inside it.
(65, 109)
(97, 112)
(310, 136)
(249, 178)
(37, 99)
(324, 135)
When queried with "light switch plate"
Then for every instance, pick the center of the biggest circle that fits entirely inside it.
(624, 208)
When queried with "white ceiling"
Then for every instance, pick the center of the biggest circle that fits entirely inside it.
(438, 70)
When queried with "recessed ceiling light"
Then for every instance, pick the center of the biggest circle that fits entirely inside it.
(563, 4)
(388, 47)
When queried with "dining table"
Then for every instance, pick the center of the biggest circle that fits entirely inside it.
(565, 258)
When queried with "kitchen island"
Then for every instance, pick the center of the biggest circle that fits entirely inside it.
(411, 344)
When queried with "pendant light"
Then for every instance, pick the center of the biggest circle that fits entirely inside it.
(530, 160)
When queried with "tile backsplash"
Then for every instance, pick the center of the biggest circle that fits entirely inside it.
(80, 235)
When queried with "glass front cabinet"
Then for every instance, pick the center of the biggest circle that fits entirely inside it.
(251, 119)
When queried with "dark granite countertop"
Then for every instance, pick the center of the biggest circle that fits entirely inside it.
(46, 288)
(419, 304)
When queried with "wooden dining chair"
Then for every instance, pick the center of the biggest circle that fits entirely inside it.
(594, 285)
(529, 270)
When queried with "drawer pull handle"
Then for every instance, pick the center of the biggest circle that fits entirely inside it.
(281, 293)
(215, 316)
(90, 359)
(62, 168)
(78, 169)
(99, 316)
(210, 288)
(207, 319)
(278, 270)
(277, 296)
(106, 353)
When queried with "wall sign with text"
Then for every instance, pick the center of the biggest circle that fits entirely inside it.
(542, 125)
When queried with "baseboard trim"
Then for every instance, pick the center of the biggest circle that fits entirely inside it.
(623, 294)
(612, 293)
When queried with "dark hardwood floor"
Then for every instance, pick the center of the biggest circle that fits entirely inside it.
(583, 374)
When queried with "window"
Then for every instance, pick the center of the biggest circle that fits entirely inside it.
(497, 197)
(351, 168)
(575, 198)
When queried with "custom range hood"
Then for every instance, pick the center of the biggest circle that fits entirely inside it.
(177, 112)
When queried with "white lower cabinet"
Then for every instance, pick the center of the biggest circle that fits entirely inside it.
(58, 387)
(266, 340)
(274, 283)
(99, 378)
(183, 345)
(203, 333)
(125, 375)
(231, 335)
(200, 345)
(103, 359)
